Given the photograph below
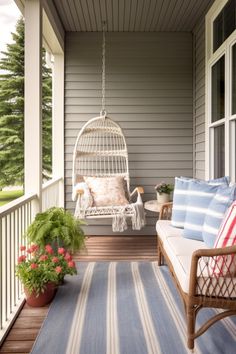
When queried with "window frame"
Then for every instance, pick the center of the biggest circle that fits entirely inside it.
(229, 121)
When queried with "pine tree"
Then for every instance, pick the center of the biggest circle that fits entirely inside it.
(12, 111)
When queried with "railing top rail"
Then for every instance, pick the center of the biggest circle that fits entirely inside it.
(15, 204)
(51, 182)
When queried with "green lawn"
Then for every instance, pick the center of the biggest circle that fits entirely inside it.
(8, 196)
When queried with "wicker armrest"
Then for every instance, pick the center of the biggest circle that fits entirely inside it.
(215, 285)
(80, 191)
(138, 190)
(211, 252)
(166, 211)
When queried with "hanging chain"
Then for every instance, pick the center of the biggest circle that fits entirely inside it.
(103, 111)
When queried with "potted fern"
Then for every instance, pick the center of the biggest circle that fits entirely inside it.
(57, 227)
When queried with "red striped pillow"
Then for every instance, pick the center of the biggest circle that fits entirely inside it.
(222, 265)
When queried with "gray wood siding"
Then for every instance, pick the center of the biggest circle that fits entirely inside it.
(148, 92)
(199, 99)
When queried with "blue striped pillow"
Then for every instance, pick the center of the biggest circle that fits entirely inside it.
(181, 195)
(215, 214)
(180, 201)
(199, 198)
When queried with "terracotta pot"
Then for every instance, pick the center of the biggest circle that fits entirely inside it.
(163, 198)
(43, 298)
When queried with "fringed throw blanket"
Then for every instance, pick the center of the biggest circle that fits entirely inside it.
(138, 220)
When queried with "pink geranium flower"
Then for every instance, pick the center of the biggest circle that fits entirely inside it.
(34, 248)
(21, 259)
(48, 249)
(44, 257)
(22, 248)
(58, 269)
(34, 266)
(61, 250)
(55, 259)
(71, 264)
(68, 257)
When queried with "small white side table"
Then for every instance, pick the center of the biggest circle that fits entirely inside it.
(153, 205)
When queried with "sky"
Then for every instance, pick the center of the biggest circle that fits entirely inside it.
(9, 14)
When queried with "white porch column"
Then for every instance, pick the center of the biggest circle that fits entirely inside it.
(33, 100)
(58, 123)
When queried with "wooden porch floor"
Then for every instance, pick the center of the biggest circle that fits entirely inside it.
(98, 248)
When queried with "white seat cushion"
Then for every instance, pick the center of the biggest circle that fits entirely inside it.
(180, 250)
(210, 286)
(165, 230)
(183, 247)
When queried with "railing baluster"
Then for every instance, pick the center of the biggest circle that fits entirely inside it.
(6, 266)
(4, 288)
(20, 243)
(13, 259)
(8, 294)
(11, 266)
(16, 243)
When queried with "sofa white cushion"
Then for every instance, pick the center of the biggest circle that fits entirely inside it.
(175, 244)
(180, 250)
(184, 247)
(165, 230)
(182, 273)
(222, 285)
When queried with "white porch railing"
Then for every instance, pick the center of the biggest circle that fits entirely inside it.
(51, 194)
(14, 220)
(15, 217)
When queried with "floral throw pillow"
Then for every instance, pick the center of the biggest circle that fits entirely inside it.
(107, 191)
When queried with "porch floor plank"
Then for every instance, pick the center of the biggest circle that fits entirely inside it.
(22, 335)
(98, 248)
(17, 346)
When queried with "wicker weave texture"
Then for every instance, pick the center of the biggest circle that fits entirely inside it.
(100, 150)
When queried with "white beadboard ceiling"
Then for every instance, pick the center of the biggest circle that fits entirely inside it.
(131, 15)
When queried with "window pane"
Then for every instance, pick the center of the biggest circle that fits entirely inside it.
(234, 79)
(229, 18)
(218, 90)
(224, 24)
(219, 151)
(218, 37)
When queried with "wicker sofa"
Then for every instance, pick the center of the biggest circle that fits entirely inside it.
(188, 261)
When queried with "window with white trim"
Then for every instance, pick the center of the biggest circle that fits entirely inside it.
(221, 90)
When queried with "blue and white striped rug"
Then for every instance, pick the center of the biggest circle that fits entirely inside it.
(125, 308)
